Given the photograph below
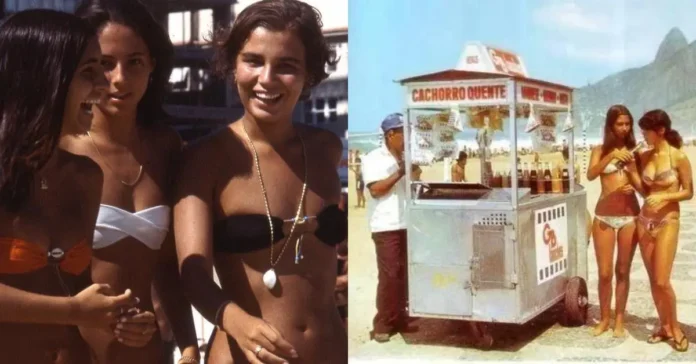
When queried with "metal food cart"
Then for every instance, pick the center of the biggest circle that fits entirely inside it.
(485, 253)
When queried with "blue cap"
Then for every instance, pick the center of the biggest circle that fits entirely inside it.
(393, 121)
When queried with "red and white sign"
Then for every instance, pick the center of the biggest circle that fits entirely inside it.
(458, 93)
(506, 62)
(551, 241)
(478, 57)
(540, 95)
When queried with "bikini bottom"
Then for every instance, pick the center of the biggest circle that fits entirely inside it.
(653, 225)
(616, 222)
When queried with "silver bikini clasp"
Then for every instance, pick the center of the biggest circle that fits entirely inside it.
(56, 254)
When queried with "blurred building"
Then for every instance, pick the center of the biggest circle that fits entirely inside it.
(198, 101)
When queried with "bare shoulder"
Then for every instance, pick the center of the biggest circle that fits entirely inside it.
(206, 155)
(645, 155)
(680, 156)
(89, 175)
(165, 137)
(324, 140)
(321, 136)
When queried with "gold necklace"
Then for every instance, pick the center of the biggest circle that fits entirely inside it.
(137, 178)
(270, 278)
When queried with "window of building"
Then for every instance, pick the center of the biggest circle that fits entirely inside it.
(191, 27)
(12, 6)
(333, 52)
(180, 79)
(180, 27)
(333, 114)
(308, 112)
(205, 25)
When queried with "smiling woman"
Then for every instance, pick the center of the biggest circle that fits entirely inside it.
(49, 71)
(138, 153)
(267, 184)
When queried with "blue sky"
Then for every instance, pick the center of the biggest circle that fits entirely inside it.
(565, 41)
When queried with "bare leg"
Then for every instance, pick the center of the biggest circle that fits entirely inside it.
(627, 241)
(663, 260)
(647, 249)
(604, 241)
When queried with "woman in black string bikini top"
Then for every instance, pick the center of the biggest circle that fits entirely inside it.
(664, 179)
(263, 206)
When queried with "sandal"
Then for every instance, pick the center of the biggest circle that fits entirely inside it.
(681, 346)
(659, 337)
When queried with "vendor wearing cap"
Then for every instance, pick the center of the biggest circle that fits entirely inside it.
(458, 168)
(383, 172)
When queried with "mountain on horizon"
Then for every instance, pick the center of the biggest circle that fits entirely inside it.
(668, 83)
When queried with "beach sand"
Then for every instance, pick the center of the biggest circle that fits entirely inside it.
(363, 282)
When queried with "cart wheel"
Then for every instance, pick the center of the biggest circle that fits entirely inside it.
(482, 332)
(576, 302)
(486, 341)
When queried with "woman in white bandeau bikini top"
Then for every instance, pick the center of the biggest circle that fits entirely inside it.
(133, 247)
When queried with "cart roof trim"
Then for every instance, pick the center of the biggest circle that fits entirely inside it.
(461, 75)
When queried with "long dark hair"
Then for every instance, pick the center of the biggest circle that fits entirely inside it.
(39, 54)
(656, 119)
(135, 15)
(610, 139)
(276, 15)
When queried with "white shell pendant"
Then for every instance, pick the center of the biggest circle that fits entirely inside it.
(270, 279)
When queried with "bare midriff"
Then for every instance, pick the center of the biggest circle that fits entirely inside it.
(302, 306)
(613, 202)
(22, 343)
(127, 264)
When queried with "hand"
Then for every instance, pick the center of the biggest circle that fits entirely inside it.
(97, 305)
(341, 283)
(627, 189)
(655, 200)
(622, 155)
(402, 167)
(631, 166)
(252, 333)
(136, 328)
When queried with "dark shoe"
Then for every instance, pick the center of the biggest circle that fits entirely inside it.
(381, 338)
(682, 345)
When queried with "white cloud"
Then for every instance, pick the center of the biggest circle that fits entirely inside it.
(623, 33)
(571, 16)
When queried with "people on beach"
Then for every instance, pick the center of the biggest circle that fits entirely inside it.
(356, 167)
(138, 154)
(614, 226)
(458, 170)
(51, 77)
(383, 171)
(263, 209)
(664, 178)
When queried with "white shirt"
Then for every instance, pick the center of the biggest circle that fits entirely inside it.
(385, 213)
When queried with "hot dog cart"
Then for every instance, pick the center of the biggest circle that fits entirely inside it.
(493, 248)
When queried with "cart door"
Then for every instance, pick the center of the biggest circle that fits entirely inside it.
(439, 262)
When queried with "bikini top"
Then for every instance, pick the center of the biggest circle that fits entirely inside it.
(149, 226)
(250, 232)
(662, 179)
(18, 256)
(611, 168)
